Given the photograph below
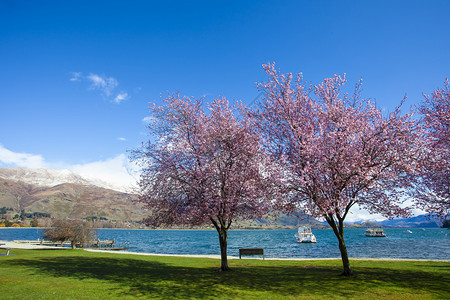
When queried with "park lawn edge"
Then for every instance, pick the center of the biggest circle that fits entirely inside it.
(70, 274)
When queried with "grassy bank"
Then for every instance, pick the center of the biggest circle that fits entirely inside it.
(70, 274)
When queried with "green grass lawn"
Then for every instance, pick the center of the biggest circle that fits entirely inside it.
(77, 274)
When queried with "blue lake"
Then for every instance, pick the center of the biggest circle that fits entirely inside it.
(399, 243)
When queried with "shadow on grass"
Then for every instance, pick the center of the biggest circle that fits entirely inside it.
(152, 277)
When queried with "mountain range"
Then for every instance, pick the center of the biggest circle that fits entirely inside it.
(48, 178)
(64, 194)
(422, 221)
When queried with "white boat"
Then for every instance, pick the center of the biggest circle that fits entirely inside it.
(375, 232)
(304, 235)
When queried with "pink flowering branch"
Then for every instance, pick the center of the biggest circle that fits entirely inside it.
(433, 191)
(337, 150)
(205, 167)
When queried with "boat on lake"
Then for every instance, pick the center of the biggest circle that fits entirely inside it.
(305, 235)
(375, 232)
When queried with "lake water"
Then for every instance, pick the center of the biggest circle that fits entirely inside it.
(399, 243)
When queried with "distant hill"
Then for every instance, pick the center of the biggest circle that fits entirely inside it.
(365, 224)
(70, 200)
(281, 221)
(422, 221)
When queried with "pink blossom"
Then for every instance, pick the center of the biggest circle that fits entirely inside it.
(433, 190)
(337, 150)
(205, 167)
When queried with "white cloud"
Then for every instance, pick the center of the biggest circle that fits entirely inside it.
(148, 120)
(106, 85)
(97, 81)
(357, 214)
(76, 76)
(122, 139)
(120, 97)
(25, 160)
(360, 215)
(103, 83)
(116, 172)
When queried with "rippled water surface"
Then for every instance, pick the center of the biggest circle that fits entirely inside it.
(399, 243)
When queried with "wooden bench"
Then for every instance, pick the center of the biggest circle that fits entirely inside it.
(5, 248)
(251, 251)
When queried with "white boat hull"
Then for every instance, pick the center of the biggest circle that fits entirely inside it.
(375, 233)
(304, 235)
(307, 240)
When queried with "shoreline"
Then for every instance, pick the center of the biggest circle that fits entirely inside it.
(13, 245)
(269, 258)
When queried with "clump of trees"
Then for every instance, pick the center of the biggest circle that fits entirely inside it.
(75, 231)
(34, 223)
(310, 148)
(4, 210)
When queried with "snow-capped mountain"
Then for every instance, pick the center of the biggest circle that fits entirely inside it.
(48, 178)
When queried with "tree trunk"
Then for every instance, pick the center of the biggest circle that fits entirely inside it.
(222, 229)
(339, 232)
(223, 240)
(344, 256)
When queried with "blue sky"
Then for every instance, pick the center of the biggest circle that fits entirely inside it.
(76, 76)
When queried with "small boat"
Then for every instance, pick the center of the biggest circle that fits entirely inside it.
(375, 232)
(304, 235)
(408, 231)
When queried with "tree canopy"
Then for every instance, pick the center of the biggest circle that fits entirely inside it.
(312, 148)
(204, 167)
(337, 150)
(75, 231)
(433, 190)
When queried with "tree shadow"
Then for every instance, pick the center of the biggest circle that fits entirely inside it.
(415, 280)
(327, 282)
(151, 278)
(137, 277)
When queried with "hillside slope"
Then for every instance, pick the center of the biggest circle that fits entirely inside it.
(70, 200)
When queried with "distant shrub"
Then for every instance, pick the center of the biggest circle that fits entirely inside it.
(7, 223)
(75, 231)
(4, 209)
(34, 223)
(36, 215)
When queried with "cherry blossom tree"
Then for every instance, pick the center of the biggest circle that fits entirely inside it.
(433, 192)
(336, 150)
(203, 167)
